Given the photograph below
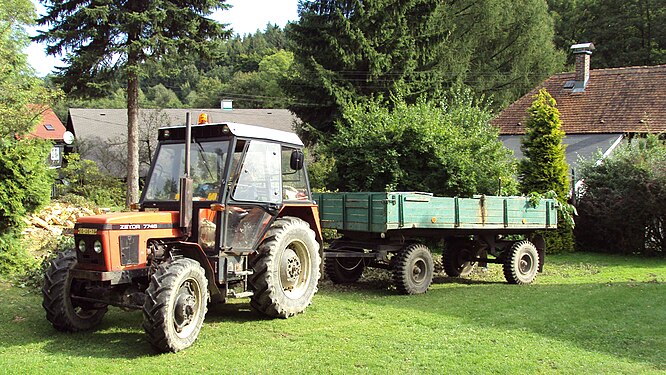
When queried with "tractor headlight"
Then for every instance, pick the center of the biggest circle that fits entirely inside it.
(98, 247)
(82, 246)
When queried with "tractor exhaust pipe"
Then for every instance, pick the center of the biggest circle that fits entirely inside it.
(186, 183)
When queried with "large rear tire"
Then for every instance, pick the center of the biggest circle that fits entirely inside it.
(64, 313)
(522, 263)
(286, 269)
(175, 305)
(413, 269)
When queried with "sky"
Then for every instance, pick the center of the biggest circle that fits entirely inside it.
(246, 16)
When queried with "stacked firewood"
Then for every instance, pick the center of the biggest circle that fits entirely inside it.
(55, 218)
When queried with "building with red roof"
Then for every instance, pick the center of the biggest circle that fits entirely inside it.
(598, 107)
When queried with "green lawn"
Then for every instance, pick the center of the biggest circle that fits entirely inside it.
(585, 314)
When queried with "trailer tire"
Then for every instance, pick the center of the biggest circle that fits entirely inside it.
(64, 314)
(176, 304)
(413, 269)
(344, 270)
(286, 269)
(522, 263)
(455, 259)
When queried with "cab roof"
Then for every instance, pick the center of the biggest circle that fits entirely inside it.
(223, 129)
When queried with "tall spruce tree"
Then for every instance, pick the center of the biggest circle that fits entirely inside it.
(544, 167)
(351, 49)
(111, 37)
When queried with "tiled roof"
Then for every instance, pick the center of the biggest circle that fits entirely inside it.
(50, 127)
(619, 100)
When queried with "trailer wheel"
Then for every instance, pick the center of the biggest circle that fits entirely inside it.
(64, 313)
(175, 305)
(286, 269)
(521, 263)
(456, 259)
(413, 269)
(343, 270)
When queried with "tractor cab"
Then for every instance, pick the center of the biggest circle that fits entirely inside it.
(243, 176)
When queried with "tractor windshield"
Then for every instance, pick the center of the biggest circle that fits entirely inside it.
(207, 166)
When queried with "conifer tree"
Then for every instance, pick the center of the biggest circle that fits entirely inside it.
(112, 37)
(544, 167)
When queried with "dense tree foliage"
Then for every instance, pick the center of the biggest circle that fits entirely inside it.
(352, 49)
(26, 180)
(119, 37)
(544, 167)
(448, 149)
(623, 202)
(625, 32)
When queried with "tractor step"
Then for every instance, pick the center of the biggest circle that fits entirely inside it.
(233, 294)
(241, 273)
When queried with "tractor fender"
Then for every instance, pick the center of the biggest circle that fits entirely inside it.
(194, 251)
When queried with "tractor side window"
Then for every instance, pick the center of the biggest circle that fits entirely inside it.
(260, 179)
(294, 182)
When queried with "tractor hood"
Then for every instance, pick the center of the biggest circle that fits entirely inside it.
(130, 221)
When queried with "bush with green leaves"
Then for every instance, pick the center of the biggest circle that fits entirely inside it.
(544, 167)
(25, 182)
(83, 178)
(622, 206)
(449, 149)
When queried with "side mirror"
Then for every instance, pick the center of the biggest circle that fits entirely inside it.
(296, 162)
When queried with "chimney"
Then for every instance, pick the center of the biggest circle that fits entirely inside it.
(582, 52)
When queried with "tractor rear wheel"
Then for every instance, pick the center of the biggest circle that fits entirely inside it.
(456, 259)
(64, 313)
(286, 269)
(413, 269)
(175, 305)
(522, 263)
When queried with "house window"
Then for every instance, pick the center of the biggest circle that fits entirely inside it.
(49, 127)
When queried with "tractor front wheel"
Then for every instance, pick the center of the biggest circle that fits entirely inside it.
(286, 269)
(64, 313)
(175, 305)
(413, 269)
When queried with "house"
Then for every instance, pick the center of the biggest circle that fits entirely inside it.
(101, 134)
(51, 128)
(599, 108)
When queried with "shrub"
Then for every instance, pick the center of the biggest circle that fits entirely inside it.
(83, 178)
(449, 149)
(623, 205)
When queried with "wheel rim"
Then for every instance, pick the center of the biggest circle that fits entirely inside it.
(419, 271)
(295, 269)
(525, 264)
(186, 308)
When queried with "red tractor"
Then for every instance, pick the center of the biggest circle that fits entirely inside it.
(226, 213)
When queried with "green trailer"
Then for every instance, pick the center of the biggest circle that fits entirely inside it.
(388, 230)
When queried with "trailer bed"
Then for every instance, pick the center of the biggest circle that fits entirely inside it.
(381, 212)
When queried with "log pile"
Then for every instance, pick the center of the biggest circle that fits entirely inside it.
(57, 218)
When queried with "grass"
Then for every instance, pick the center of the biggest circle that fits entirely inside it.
(586, 313)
